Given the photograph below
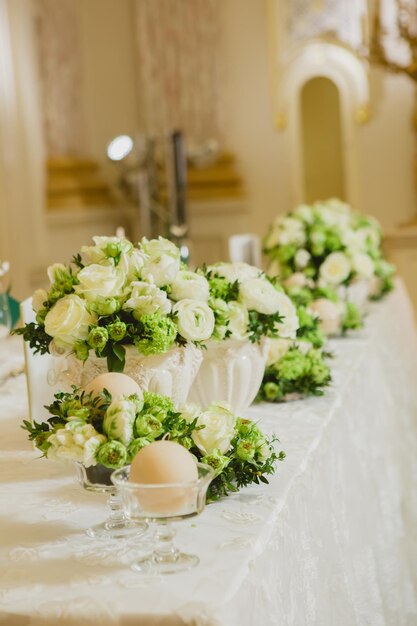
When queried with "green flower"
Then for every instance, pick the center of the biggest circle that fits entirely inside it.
(97, 338)
(245, 450)
(156, 334)
(112, 454)
(148, 426)
(81, 350)
(156, 401)
(105, 306)
(136, 445)
(117, 331)
(217, 461)
(320, 372)
(293, 365)
(352, 319)
(272, 391)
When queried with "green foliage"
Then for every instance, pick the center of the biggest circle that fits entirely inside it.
(295, 373)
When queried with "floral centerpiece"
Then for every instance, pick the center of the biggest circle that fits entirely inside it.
(108, 432)
(296, 368)
(334, 315)
(117, 307)
(248, 308)
(330, 244)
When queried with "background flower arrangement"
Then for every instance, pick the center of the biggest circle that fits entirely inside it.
(247, 304)
(116, 294)
(101, 430)
(330, 244)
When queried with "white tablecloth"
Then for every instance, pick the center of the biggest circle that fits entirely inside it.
(330, 542)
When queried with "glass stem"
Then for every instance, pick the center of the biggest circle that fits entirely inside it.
(116, 517)
(165, 551)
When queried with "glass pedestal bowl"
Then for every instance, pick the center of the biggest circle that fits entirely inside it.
(163, 504)
(97, 479)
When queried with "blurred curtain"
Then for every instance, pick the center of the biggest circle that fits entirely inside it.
(21, 148)
(179, 70)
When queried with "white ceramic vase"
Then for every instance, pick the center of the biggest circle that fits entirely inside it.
(231, 371)
(170, 374)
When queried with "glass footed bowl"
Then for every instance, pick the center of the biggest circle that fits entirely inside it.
(97, 478)
(163, 504)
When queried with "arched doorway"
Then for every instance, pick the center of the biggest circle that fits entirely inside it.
(322, 140)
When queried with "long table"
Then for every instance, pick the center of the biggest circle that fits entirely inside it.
(331, 541)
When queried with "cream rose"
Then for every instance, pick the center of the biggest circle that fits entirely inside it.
(335, 268)
(39, 297)
(363, 265)
(302, 258)
(195, 319)
(330, 314)
(296, 280)
(190, 285)
(258, 294)
(219, 429)
(146, 299)
(277, 348)
(100, 281)
(161, 261)
(238, 317)
(235, 271)
(68, 321)
(99, 252)
(290, 324)
(55, 270)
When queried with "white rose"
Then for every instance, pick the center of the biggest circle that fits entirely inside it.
(135, 262)
(146, 299)
(335, 268)
(235, 271)
(258, 294)
(54, 270)
(296, 280)
(99, 281)
(195, 319)
(302, 258)
(330, 314)
(238, 317)
(98, 252)
(189, 412)
(68, 321)
(219, 429)
(39, 297)
(277, 348)
(161, 261)
(354, 240)
(78, 441)
(119, 420)
(290, 324)
(292, 231)
(305, 213)
(363, 265)
(190, 285)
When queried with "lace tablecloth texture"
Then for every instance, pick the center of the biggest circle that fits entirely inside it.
(332, 540)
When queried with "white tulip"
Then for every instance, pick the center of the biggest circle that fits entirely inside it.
(195, 319)
(54, 270)
(189, 285)
(119, 420)
(68, 321)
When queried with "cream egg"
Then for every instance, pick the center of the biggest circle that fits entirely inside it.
(116, 384)
(165, 463)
